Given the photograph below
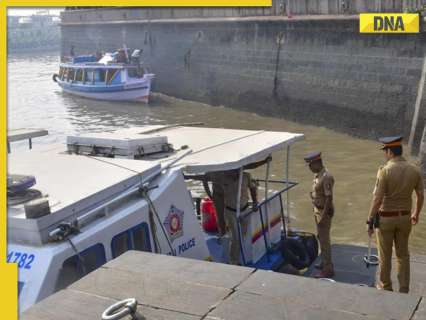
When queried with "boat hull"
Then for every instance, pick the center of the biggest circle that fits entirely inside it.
(135, 91)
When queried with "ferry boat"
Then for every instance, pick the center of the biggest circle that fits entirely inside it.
(73, 208)
(115, 77)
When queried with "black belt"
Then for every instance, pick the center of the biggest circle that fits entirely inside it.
(235, 210)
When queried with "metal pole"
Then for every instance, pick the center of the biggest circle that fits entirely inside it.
(268, 226)
(287, 177)
(263, 233)
(240, 235)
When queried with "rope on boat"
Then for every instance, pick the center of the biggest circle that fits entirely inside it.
(144, 192)
(157, 247)
(78, 254)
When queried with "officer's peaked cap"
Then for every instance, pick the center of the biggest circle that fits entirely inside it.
(388, 142)
(312, 156)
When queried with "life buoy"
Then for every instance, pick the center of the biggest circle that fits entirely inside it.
(295, 253)
(311, 244)
(310, 241)
(54, 77)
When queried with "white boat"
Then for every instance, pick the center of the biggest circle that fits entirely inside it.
(110, 78)
(106, 193)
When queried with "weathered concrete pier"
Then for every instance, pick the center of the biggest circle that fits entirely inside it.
(304, 60)
(177, 288)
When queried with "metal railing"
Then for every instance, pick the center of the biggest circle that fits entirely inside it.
(288, 185)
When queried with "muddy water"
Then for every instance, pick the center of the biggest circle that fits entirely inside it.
(36, 101)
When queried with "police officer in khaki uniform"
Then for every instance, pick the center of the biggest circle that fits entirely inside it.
(392, 203)
(229, 181)
(322, 200)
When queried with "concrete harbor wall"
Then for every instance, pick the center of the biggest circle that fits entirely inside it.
(313, 69)
(278, 7)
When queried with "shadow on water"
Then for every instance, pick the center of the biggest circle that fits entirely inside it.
(36, 101)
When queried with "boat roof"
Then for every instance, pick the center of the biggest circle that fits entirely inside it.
(218, 149)
(96, 65)
(73, 183)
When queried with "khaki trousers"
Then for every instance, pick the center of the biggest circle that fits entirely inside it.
(232, 224)
(394, 230)
(323, 230)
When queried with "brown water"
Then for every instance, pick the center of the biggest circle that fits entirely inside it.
(36, 101)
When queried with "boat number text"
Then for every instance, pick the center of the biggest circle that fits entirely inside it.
(23, 260)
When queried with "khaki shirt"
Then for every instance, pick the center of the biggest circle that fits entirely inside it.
(322, 187)
(395, 184)
(229, 186)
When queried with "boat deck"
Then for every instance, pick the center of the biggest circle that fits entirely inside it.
(184, 289)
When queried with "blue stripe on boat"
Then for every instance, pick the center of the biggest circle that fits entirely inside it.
(92, 88)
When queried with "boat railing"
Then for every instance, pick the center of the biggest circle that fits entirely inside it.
(265, 224)
(14, 135)
(288, 185)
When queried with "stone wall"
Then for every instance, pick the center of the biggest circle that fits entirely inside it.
(318, 70)
(278, 8)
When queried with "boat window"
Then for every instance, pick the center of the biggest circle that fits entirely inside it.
(79, 75)
(20, 286)
(120, 244)
(111, 74)
(90, 76)
(64, 74)
(75, 267)
(71, 74)
(100, 75)
(135, 72)
(61, 72)
(136, 238)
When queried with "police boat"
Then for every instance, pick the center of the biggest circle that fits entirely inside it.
(73, 207)
(117, 76)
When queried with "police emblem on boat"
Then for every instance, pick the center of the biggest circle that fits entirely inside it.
(174, 223)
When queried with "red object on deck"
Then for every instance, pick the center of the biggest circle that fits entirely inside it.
(208, 215)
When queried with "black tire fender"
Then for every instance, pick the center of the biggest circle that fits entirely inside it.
(311, 244)
(295, 253)
(54, 77)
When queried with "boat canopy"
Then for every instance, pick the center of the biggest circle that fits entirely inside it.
(217, 149)
(97, 65)
(74, 184)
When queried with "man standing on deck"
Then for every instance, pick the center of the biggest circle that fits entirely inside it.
(230, 183)
(392, 204)
(322, 200)
(224, 195)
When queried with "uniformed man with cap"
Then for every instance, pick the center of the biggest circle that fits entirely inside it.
(322, 200)
(392, 203)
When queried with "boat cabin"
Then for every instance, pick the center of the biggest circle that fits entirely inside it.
(98, 73)
(73, 208)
